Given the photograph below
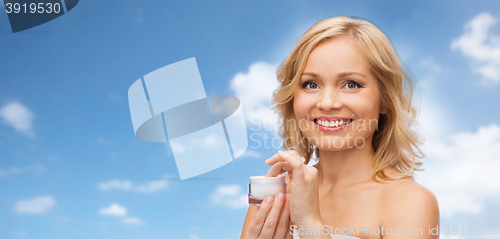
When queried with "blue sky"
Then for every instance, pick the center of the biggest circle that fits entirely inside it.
(71, 167)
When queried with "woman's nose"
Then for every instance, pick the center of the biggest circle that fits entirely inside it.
(329, 101)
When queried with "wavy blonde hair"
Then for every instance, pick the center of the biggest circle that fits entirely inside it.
(394, 142)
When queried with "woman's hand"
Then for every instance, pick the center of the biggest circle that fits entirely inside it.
(271, 219)
(304, 198)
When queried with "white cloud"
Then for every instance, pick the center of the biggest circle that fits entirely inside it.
(231, 196)
(481, 46)
(254, 89)
(462, 170)
(458, 165)
(193, 237)
(120, 211)
(104, 141)
(37, 205)
(152, 187)
(35, 169)
(132, 221)
(115, 184)
(432, 114)
(126, 185)
(432, 119)
(18, 116)
(114, 210)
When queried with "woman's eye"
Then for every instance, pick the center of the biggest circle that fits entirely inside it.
(310, 85)
(352, 85)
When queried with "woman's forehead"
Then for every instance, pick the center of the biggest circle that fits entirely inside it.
(336, 55)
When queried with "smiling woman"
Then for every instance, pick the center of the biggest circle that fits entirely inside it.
(341, 91)
(345, 101)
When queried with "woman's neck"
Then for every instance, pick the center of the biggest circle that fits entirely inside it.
(345, 167)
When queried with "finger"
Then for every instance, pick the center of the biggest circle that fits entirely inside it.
(273, 159)
(289, 231)
(292, 157)
(272, 219)
(278, 169)
(259, 219)
(282, 226)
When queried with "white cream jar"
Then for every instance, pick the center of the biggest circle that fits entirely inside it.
(260, 187)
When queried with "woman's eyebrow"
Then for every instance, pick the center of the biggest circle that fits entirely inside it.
(344, 74)
(310, 73)
(341, 75)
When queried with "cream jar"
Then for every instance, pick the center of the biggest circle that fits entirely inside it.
(260, 187)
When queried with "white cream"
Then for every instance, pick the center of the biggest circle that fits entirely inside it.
(260, 187)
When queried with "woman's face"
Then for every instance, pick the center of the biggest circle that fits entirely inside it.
(337, 102)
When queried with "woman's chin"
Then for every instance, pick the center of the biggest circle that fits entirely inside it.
(332, 148)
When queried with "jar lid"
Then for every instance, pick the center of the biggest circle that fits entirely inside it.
(263, 179)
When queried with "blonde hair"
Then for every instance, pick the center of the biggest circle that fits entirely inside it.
(394, 142)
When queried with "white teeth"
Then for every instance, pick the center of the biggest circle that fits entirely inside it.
(333, 123)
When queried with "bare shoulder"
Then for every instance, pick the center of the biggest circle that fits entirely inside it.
(406, 192)
(406, 203)
(404, 189)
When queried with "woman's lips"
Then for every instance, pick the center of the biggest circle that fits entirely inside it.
(334, 128)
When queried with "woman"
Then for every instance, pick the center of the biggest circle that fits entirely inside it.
(345, 101)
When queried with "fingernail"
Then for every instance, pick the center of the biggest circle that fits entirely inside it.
(280, 197)
(287, 197)
(269, 200)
